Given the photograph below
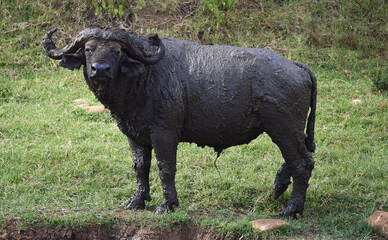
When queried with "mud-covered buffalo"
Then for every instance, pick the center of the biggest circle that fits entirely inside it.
(163, 91)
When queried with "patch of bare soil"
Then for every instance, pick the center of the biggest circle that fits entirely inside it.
(120, 230)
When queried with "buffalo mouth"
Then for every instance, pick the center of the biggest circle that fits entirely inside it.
(100, 79)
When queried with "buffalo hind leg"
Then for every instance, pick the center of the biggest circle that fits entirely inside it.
(165, 146)
(301, 173)
(282, 181)
(299, 165)
(142, 162)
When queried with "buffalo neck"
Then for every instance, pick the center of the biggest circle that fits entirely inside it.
(122, 95)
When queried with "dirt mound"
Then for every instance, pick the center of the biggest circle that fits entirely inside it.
(120, 230)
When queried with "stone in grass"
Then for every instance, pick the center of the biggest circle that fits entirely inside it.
(82, 103)
(97, 109)
(268, 224)
(379, 222)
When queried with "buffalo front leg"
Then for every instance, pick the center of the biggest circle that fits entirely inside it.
(142, 162)
(165, 147)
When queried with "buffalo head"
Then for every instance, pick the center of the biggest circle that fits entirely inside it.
(106, 52)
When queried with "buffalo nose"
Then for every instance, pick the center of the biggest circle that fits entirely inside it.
(100, 68)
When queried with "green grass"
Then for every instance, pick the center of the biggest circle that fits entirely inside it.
(63, 165)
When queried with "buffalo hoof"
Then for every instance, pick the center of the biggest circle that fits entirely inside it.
(137, 201)
(292, 210)
(166, 207)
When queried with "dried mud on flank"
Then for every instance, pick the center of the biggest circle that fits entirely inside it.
(120, 230)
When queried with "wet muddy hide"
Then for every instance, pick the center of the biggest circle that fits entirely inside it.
(163, 91)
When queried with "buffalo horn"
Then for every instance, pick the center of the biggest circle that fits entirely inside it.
(137, 46)
(76, 43)
(147, 55)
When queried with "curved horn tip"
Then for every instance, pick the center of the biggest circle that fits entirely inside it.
(51, 32)
(49, 46)
(153, 39)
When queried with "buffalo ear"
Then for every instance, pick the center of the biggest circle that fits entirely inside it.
(72, 60)
(130, 67)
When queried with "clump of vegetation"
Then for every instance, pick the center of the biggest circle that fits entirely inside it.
(381, 80)
(59, 162)
(218, 8)
(111, 8)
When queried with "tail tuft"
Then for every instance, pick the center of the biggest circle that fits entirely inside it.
(310, 144)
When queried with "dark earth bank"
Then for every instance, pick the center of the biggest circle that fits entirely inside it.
(120, 230)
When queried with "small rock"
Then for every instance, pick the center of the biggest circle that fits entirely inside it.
(379, 222)
(84, 106)
(97, 109)
(80, 101)
(268, 224)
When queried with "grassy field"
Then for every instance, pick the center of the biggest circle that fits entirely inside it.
(63, 165)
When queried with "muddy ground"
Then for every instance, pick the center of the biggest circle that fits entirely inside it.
(120, 230)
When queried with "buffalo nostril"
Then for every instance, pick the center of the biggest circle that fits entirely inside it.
(100, 68)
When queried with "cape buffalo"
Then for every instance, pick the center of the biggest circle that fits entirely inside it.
(163, 91)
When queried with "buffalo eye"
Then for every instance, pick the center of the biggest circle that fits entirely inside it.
(88, 50)
(116, 52)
